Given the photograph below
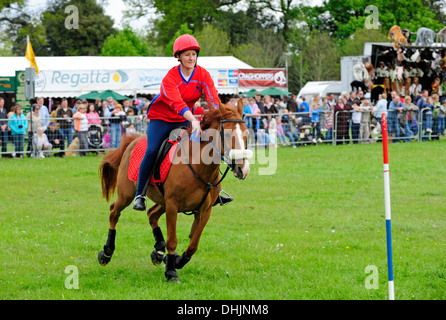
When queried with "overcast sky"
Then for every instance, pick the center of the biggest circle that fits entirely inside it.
(113, 9)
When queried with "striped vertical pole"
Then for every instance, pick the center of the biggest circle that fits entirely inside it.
(387, 206)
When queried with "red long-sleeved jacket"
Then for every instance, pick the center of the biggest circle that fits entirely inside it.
(178, 95)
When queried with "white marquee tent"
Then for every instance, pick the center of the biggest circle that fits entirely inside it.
(74, 76)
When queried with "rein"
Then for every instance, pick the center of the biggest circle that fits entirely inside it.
(210, 185)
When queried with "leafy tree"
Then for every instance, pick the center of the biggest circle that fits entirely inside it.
(320, 57)
(16, 23)
(213, 41)
(264, 49)
(94, 28)
(354, 45)
(9, 3)
(174, 13)
(343, 17)
(125, 43)
(183, 30)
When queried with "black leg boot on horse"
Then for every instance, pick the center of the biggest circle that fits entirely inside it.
(160, 247)
(105, 255)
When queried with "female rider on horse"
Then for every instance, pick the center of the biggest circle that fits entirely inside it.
(180, 89)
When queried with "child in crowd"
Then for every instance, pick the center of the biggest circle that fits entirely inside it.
(272, 131)
(315, 122)
(429, 106)
(247, 113)
(42, 144)
(280, 132)
(441, 117)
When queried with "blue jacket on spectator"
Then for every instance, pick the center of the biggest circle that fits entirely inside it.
(18, 125)
(393, 109)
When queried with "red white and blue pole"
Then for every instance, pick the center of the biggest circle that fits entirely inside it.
(387, 206)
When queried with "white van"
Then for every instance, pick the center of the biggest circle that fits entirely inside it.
(321, 88)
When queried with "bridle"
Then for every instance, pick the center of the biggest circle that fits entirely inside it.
(225, 158)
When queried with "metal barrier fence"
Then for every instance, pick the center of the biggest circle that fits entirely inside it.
(23, 138)
(287, 129)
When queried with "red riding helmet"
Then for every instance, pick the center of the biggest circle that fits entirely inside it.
(185, 42)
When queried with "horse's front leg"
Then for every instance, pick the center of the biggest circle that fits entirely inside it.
(154, 213)
(171, 221)
(199, 223)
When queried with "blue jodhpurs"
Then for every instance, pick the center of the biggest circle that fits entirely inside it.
(157, 132)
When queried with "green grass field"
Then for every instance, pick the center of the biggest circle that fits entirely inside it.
(307, 232)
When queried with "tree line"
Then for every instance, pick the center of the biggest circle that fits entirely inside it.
(264, 34)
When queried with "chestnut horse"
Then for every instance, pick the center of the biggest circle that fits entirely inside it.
(192, 184)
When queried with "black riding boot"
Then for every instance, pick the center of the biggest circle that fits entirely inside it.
(222, 200)
(140, 203)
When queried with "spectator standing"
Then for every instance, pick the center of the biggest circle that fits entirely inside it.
(304, 108)
(356, 120)
(442, 117)
(19, 127)
(380, 108)
(290, 130)
(270, 107)
(280, 132)
(247, 113)
(409, 109)
(56, 138)
(258, 99)
(364, 129)
(342, 118)
(395, 108)
(292, 104)
(81, 127)
(272, 131)
(65, 116)
(331, 101)
(315, 122)
(329, 124)
(3, 127)
(98, 105)
(92, 115)
(34, 122)
(325, 107)
(116, 115)
(44, 112)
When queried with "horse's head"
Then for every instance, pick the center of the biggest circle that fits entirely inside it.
(234, 136)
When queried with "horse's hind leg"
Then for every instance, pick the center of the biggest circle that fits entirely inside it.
(154, 213)
(105, 255)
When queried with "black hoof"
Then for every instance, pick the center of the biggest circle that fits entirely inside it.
(172, 276)
(157, 257)
(103, 258)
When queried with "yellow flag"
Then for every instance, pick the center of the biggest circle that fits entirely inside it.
(30, 55)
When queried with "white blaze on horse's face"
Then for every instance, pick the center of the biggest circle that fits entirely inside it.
(240, 153)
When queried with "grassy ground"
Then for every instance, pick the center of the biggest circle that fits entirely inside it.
(307, 232)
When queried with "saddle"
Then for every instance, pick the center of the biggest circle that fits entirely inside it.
(163, 160)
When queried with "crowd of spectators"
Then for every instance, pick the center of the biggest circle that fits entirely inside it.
(351, 117)
(272, 121)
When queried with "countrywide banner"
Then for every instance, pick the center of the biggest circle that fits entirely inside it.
(262, 78)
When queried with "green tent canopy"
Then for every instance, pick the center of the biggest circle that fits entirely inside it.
(272, 91)
(89, 96)
(109, 93)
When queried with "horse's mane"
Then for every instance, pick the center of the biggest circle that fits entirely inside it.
(209, 116)
(216, 114)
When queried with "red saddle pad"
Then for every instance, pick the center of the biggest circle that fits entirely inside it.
(138, 155)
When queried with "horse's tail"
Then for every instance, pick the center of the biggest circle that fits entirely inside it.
(108, 169)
